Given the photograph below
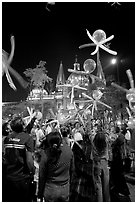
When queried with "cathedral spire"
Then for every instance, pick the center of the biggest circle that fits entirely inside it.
(60, 76)
(76, 64)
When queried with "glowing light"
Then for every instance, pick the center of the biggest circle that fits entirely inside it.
(113, 61)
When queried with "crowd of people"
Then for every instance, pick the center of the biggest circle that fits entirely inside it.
(66, 162)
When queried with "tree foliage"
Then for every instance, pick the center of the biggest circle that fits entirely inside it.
(38, 76)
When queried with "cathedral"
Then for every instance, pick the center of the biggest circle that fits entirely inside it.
(62, 94)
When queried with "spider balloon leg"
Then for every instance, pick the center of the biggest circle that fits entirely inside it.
(10, 80)
(129, 113)
(79, 114)
(89, 106)
(86, 45)
(91, 38)
(106, 40)
(119, 87)
(85, 95)
(104, 104)
(96, 50)
(72, 94)
(30, 111)
(20, 79)
(92, 112)
(130, 77)
(12, 49)
(95, 104)
(51, 111)
(108, 50)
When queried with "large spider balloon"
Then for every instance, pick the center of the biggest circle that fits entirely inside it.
(99, 38)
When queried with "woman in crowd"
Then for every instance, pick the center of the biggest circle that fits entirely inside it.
(101, 170)
(55, 169)
(119, 186)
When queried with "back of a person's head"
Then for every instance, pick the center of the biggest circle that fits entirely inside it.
(100, 141)
(117, 129)
(17, 124)
(54, 140)
(5, 130)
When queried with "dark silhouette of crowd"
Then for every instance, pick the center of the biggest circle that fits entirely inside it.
(70, 162)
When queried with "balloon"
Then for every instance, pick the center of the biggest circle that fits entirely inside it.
(99, 38)
(99, 35)
(131, 98)
(89, 65)
(38, 115)
(75, 80)
(87, 112)
(131, 123)
(97, 94)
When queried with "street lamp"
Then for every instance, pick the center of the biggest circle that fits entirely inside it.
(115, 61)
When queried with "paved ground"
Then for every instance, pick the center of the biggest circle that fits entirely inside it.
(132, 191)
(130, 178)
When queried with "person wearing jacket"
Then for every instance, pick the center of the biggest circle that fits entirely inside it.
(20, 168)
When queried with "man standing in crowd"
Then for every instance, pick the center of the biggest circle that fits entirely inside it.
(19, 163)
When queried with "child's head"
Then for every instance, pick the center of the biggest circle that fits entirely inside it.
(37, 156)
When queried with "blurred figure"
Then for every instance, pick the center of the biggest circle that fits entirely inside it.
(119, 186)
(82, 187)
(101, 169)
(55, 169)
(19, 163)
(5, 132)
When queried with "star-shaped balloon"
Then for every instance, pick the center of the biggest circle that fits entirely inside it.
(6, 61)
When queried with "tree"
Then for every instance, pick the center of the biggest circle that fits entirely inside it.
(38, 78)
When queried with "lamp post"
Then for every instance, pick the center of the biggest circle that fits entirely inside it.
(115, 61)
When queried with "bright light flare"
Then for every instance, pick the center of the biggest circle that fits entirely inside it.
(113, 61)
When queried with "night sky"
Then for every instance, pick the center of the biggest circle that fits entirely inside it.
(56, 35)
